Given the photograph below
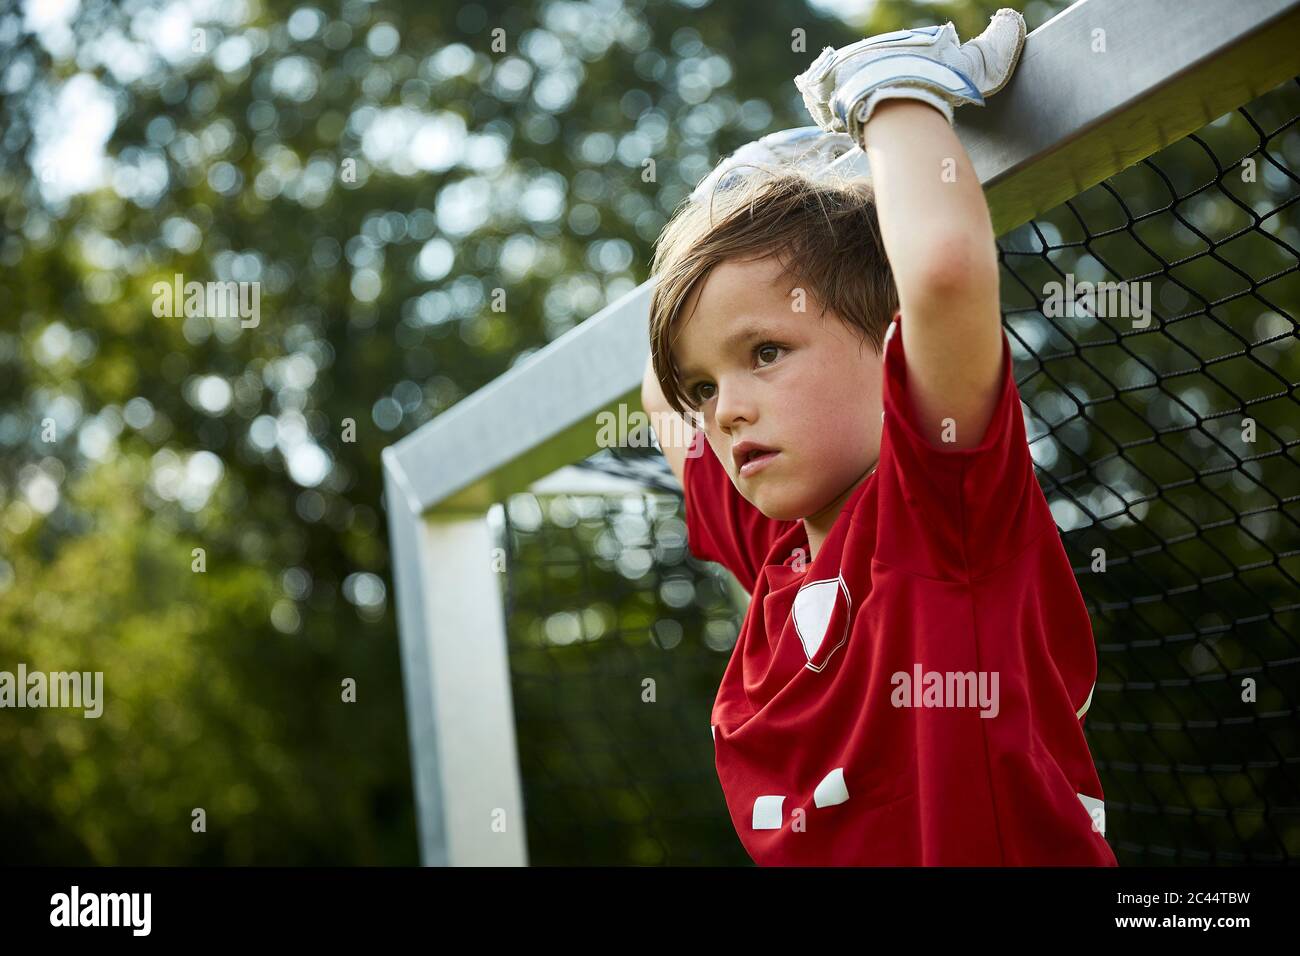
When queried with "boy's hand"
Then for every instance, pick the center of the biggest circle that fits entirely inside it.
(842, 87)
(804, 147)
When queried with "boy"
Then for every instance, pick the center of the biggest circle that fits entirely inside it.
(909, 684)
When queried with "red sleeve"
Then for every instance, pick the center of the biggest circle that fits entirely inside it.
(947, 512)
(721, 524)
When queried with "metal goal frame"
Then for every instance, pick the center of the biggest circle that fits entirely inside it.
(1071, 117)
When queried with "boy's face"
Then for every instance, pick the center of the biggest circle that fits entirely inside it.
(802, 383)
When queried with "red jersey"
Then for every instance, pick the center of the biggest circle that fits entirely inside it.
(915, 695)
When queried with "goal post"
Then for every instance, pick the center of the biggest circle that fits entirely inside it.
(1100, 87)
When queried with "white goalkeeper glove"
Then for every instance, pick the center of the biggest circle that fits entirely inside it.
(805, 147)
(842, 87)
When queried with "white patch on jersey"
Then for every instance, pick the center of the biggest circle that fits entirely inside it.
(767, 812)
(813, 609)
(1087, 703)
(1096, 810)
(832, 790)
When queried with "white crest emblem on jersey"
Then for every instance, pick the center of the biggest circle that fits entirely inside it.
(821, 619)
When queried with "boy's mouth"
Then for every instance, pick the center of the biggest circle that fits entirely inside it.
(750, 457)
(756, 463)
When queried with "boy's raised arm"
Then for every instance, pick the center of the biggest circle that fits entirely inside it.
(671, 430)
(895, 94)
(937, 233)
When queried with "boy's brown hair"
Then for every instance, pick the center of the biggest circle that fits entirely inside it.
(825, 235)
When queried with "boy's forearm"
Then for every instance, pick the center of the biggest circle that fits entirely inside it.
(934, 219)
(670, 428)
(672, 432)
(938, 236)
(652, 393)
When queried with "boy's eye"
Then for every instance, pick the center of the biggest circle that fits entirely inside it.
(766, 347)
(695, 393)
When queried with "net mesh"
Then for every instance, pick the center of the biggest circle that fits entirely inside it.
(1165, 439)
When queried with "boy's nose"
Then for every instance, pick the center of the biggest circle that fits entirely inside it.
(734, 405)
